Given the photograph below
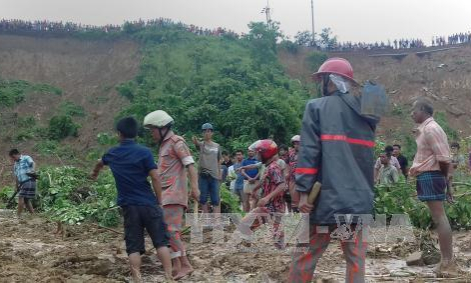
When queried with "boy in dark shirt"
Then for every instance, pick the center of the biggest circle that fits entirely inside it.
(131, 164)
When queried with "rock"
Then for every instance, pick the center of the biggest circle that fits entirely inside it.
(431, 257)
(415, 259)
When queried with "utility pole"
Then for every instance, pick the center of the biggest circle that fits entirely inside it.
(312, 18)
(267, 12)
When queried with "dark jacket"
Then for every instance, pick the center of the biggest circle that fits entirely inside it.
(337, 149)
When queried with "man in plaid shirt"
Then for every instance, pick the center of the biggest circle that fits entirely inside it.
(26, 185)
(431, 168)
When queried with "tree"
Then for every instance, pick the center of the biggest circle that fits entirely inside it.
(237, 85)
(304, 38)
(263, 38)
(327, 40)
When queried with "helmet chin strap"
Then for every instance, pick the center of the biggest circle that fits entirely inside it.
(163, 134)
(325, 86)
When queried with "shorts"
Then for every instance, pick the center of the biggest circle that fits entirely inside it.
(27, 190)
(248, 188)
(208, 186)
(136, 218)
(431, 186)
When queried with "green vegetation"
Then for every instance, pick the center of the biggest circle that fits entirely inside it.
(67, 195)
(289, 46)
(229, 201)
(236, 84)
(71, 109)
(14, 92)
(61, 127)
(401, 198)
(440, 118)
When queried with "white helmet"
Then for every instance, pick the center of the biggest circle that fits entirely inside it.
(296, 138)
(158, 119)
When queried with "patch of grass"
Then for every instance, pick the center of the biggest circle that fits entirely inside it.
(14, 92)
(26, 121)
(47, 147)
(441, 119)
(397, 110)
(69, 108)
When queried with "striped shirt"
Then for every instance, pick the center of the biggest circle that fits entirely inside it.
(22, 166)
(432, 148)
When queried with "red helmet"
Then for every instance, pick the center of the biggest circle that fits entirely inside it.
(266, 148)
(338, 66)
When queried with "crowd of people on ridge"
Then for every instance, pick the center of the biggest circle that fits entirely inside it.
(51, 27)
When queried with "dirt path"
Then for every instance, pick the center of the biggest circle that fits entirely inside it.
(30, 252)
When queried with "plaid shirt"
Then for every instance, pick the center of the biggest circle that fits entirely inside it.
(23, 166)
(432, 148)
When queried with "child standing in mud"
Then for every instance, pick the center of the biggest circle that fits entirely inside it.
(131, 164)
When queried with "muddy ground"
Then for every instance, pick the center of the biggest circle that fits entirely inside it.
(30, 252)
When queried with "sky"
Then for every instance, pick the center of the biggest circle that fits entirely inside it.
(350, 20)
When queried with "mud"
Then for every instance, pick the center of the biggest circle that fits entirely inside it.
(30, 252)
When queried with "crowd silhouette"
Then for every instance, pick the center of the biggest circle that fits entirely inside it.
(50, 27)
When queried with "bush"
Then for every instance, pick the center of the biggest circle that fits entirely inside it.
(401, 198)
(6, 193)
(13, 92)
(61, 127)
(47, 147)
(71, 109)
(67, 195)
(229, 201)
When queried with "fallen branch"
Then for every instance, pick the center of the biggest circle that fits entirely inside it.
(410, 274)
(109, 229)
(407, 274)
(74, 259)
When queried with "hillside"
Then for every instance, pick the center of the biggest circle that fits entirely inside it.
(442, 76)
(202, 78)
(85, 72)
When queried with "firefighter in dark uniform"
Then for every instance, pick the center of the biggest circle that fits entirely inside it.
(337, 150)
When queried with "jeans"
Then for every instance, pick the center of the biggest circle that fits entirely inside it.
(208, 186)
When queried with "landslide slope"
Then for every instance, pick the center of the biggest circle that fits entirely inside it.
(444, 77)
(86, 71)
